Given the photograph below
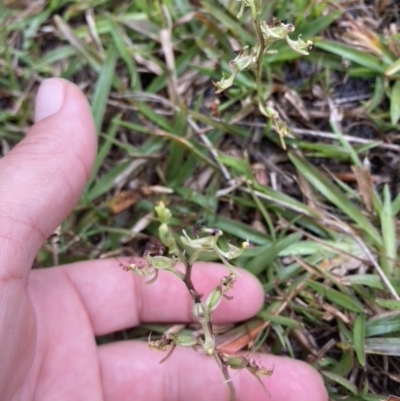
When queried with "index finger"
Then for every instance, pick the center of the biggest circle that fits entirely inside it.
(115, 299)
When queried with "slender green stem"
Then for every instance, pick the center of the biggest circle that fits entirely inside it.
(228, 380)
(259, 58)
(188, 276)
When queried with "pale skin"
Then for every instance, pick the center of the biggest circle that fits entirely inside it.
(49, 318)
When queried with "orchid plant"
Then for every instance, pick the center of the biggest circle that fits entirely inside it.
(178, 252)
(251, 58)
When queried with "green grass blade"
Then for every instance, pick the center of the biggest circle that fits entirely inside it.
(393, 69)
(345, 365)
(396, 205)
(269, 253)
(349, 53)
(281, 320)
(332, 193)
(341, 381)
(107, 181)
(336, 297)
(395, 103)
(358, 338)
(388, 227)
(383, 346)
(392, 304)
(76, 43)
(384, 324)
(103, 87)
(117, 35)
(104, 150)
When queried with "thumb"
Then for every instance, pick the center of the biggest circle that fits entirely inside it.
(42, 178)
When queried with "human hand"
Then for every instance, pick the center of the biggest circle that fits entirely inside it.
(49, 318)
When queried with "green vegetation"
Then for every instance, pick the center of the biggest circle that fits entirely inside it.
(320, 215)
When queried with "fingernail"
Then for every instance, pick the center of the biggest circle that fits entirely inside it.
(49, 99)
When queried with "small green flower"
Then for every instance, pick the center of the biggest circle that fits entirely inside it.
(143, 269)
(204, 244)
(299, 45)
(209, 244)
(161, 345)
(215, 296)
(162, 262)
(226, 83)
(232, 253)
(201, 312)
(244, 59)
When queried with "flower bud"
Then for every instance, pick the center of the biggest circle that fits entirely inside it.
(200, 311)
(245, 244)
(163, 213)
(166, 237)
(236, 361)
(214, 299)
(243, 60)
(184, 340)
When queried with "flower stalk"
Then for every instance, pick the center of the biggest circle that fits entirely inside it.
(165, 255)
(252, 59)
